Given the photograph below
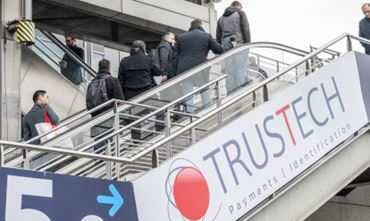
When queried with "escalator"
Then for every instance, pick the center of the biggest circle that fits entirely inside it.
(41, 70)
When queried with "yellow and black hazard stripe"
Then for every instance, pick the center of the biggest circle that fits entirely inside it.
(26, 32)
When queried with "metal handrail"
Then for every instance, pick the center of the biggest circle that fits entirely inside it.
(129, 126)
(46, 46)
(164, 108)
(328, 51)
(185, 76)
(9, 144)
(246, 93)
(142, 119)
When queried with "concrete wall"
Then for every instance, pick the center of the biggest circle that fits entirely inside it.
(159, 15)
(353, 207)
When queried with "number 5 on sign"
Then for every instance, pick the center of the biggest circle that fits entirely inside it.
(17, 187)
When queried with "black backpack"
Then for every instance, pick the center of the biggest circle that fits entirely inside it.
(97, 92)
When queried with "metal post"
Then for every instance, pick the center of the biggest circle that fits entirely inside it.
(308, 67)
(1, 155)
(117, 143)
(296, 75)
(254, 96)
(155, 158)
(218, 102)
(26, 161)
(168, 133)
(349, 44)
(192, 132)
(265, 93)
(108, 163)
(27, 9)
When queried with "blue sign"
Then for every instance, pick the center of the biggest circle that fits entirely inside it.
(36, 196)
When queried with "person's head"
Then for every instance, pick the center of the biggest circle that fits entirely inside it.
(366, 9)
(70, 41)
(236, 4)
(169, 37)
(139, 45)
(196, 23)
(252, 60)
(104, 66)
(40, 97)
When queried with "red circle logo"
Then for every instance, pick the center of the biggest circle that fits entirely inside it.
(191, 193)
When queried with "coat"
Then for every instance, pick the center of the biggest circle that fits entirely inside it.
(73, 71)
(136, 71)
(114, 91)
(364, 32)
(165, 56)
(36, 116)
(233, 22)
(192, 47)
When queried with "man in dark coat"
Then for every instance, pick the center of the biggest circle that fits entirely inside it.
(364, 26)
(135, 74)
(165, 49)
(69, 68)
(136, 71)
(234, 24)
(113, 86)
(114, 91)
(191, 49)
(37, 115)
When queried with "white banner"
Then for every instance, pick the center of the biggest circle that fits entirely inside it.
(231, 171)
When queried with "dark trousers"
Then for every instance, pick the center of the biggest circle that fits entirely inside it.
(133, 92)
(129, 94)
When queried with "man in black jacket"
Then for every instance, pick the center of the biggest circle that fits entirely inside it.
(364, 26)
(113, 86)
(165, 49)
(37, 115)
(113, 91)
(234, 24)
(191, 49)
(136, 71)
(135, 75)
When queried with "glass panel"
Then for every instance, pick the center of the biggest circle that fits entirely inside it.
(62, 62)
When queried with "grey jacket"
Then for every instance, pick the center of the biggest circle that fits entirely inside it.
(233, 22)
(35, 116)
(165, 55)
(364, 32)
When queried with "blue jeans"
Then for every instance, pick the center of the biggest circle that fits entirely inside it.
(188, 85)
(236, 69)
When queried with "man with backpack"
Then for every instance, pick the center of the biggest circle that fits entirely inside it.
(233, 25)
(101, 89)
